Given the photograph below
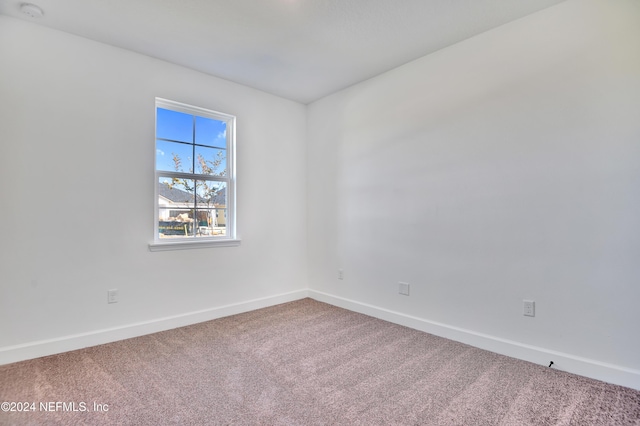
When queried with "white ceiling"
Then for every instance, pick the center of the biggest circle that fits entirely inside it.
(298, 49)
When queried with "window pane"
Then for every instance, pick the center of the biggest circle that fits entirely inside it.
(174, 156)
(212, 204)
(211, 132)
(208, 224)
(175, 192)
(175, 222)
(173, 125)
(211, 161)
(176, 205)
(211, 222)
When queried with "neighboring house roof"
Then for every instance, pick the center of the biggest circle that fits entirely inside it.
(220, 199)
(176, 195)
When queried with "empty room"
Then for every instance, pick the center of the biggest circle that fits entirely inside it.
(320, 212)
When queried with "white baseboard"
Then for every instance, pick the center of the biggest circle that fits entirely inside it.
(41, 348)
(566, 362)
(562, 361)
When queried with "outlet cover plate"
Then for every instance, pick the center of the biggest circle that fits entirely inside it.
(112, 295)
(403, 288)
(529, 308)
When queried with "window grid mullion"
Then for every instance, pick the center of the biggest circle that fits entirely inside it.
(195, 181)
(184, 175)
(189, 143)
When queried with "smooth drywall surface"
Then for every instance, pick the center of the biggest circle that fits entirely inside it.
(77, 171)
(503, 168)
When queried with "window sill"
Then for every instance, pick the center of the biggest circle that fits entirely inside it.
(188, 245)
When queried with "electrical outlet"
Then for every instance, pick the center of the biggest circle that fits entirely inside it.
(529, 308)
(340, 274)
(403, 288)
(112, 295)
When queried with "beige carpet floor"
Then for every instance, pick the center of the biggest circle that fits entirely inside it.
(303, 363)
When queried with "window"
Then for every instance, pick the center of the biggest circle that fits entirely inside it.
(194, 177)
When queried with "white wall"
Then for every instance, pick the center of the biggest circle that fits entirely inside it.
(77, 128)
(506, 167)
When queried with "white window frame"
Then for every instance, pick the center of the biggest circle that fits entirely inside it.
(230, 237)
